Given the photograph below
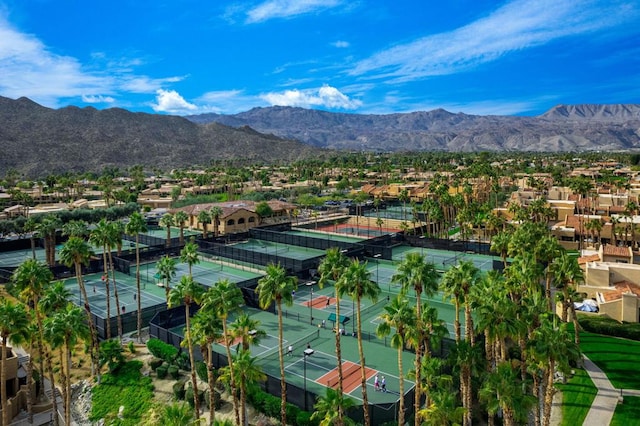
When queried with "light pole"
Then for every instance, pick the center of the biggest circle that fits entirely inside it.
(307, 352)
(310, 285)
(376, 257)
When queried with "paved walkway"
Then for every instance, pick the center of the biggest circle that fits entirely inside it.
(606, 401)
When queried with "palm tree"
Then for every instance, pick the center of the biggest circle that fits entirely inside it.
(180, 218)
(247, 373)
(166, 268)
(47, 230)
(65, 328)
(215, 212)
(100, 237)
(443, 409)
(356, 281)
(567, 271)
(328, 407)
(136, 226)
(189, 255)
(414, 273)
(331, 268)
(14, 321)
(500, 245)
(277, 287)
(77, 252)
(204, 217)
(401, 317)
(222, 300)
(248, 330)
(54, 299)
(206, 329)
(76, 228)
(188, 292)
(167, 221)
(176, 414)
(31, 279)
(113, 239)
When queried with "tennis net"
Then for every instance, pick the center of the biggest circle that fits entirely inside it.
(273, 352)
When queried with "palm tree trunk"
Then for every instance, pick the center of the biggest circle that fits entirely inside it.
(466, 376)
(118, 316)
(52, 379)
(243, 403)
(400, 388)
(194, 381)
(468, 321)
(365, 399)
(212, 386)
(106, 283)
(138, 288)
(339, 358)
(456, 321)
(536, 393)
(231, 372)
(548, 397)
(67, 361)
(29, 392)
(283, 383)
(92, 327)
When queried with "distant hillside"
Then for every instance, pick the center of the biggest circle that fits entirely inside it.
(38, 141)
(563, 128)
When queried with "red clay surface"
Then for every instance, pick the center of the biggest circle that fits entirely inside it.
(351, 377)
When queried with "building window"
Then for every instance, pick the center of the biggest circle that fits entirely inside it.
(252, 219)
(231, 222)
(241, 221)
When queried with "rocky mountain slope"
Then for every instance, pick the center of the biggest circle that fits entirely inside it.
(37, 141)
(563, 128)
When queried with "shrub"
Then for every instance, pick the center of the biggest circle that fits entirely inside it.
(162, 371)
(304, 418)
(155, 363)
(188, 396)
(201, 370)
(272, 406)
(174, 372)
(609, 327)
(132, 347)
(292, 411)
(160, 349)
(178, 390)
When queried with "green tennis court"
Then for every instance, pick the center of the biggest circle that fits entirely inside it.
(444, 259)
(206, 272)
(174, 232)
(279, 249)
(326, 235)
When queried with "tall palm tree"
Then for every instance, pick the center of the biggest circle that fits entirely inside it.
(180, 218)
(222, 300)
(76, 252)
(215, 212)
(356, 281)
(567, 272)
(167, 221)
(331, 268)
(204, 217)
(400, 316)
(206, 329)
(13, 322)
(100, 237)
(248, 330)
(188, 292)
(277, 287)
(328, 407)
(65, 328)
(47, 230)
(166, 268)
(189, 255)
(31, 279)
(247, 373)
(113, 239)
(135, 227)
(414, 273)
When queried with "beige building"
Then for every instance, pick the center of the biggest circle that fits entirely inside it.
(614, 286)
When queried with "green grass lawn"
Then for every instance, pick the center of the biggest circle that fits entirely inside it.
(618, 358)
(577, 395)
(627, 413)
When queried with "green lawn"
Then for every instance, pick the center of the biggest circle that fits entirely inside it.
(618, 358)
(577, 395)
(627, 413)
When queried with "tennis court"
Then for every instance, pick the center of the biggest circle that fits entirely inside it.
(444, 259)
(325, 235)
(175, 232)
(393, 212)
(361, 230)
(206, 272)
(150, 295)
(278, 249)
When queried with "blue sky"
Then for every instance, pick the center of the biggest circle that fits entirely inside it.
(518, 57)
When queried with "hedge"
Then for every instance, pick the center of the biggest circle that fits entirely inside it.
(162, 371)
(609, 327)
(174, 372)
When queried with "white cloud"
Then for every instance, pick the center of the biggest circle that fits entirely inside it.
(97, 99)
(325, 96)
(170, 101)
(286, 8)
(340, 44)
(517, 25)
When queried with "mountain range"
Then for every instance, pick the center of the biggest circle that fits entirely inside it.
(36, 141)
(563, 128)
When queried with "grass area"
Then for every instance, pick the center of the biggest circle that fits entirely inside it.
(128, 388)
(618, 358)
(627, 413)
(577, 395)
